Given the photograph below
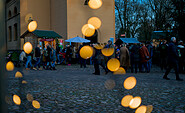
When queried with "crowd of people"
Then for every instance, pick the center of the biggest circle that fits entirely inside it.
(136, 57)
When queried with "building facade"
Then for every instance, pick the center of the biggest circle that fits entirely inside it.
(66, 17)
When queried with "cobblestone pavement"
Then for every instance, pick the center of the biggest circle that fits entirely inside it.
(71, 89)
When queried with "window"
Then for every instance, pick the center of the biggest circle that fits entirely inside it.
(15, 10)
(15, 32)
(10, 33)
(9, 14)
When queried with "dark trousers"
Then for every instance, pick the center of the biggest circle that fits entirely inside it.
(134, 65)
(82, 62)
(96, 66)
(163, 63)
(176, 68)
(37, 62)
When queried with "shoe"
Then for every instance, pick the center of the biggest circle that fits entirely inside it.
(166, 78)
(179, 79)
(40, 69)
(27, 69)
(35, 69)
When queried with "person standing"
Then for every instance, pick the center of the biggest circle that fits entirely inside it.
(58, 53)
(150, 50)
(48, 58)
(163, 48)
(144, 57)
(29, 60)
(135, 58)
(53, 58)
(37, 56)
(173, 58)
(22, 56)
(181, 51)
(124, 57)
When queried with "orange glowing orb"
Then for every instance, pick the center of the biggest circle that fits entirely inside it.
(18, 74)
(135, 102)
(88, 30)
(120, 71)
(107, 51)
(126, 100)
(24, 82)
(29, 97)
(130, 83)
(95, 4)
(141, 109)
(113, 64)
(16, 99)
(149, 109)
(32, 26)
(99, 46)
(86, 52)
(95, 21)
(36, 104)
(110, 84)
(9, 66)
(27, 47)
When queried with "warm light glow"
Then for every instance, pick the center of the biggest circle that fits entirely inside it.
(130, 83)
(36, 104)
(110, 84)
(126, 100)
(9, 66)
(135, 102)
(29, 97)
(95, 4)
(86, 52)
(113, 64)
(120, 71)
(141, 109)
(18, 74)
(24, 82)
(95, 21)
(27, 17)
(88, 30)
(27, 47)
(107, 51)
(16, 99)
(32, 26)
(99, 46)
(149, 109)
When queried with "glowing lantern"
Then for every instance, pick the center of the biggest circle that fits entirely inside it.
(36, 104)
(129, 83)
(29, 97)
(99, 46)
(110, 84)
(9, 66)
(16, 99)
(88, 30)
(113, 64)
(18, 75)
(126, 100)
(120, 71)
(135, 102)
(32, 26)
(149, 109)
(95, 4)
(24, 82)
(27, 47)
(86, 52)
(107, 51)
(141, 109)
(95, 21)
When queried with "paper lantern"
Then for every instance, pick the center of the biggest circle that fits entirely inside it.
(135, 102)
(32, 26)
(86, 52)
(113, 64)
(95, 4)
(107, 51)
(120, 71)
(16, 99)
(95, 21)
(126, 100)
(88, 30)
(27, 47)
(9, 66)
(36, 104)
(129, 83)
(141, 109)
(18, 74)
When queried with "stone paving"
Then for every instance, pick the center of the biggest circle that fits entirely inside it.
(71, 89)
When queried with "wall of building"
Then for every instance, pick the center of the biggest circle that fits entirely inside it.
(78, 15)
(59, 17)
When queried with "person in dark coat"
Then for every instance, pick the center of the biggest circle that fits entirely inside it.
(181, 51)
(144, 57)
(37, 56)
(150, 50)
(135, 58)
(82, 61)
(173, 58)
(69, 54)
(58, 53)
(163, 48)
(48, 58)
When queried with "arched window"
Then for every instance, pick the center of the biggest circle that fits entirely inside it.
(10, 33)
(9, 14)
(15, 32)
(15, 10)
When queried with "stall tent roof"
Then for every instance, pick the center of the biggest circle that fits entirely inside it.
(129, 40)
(43, 34)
